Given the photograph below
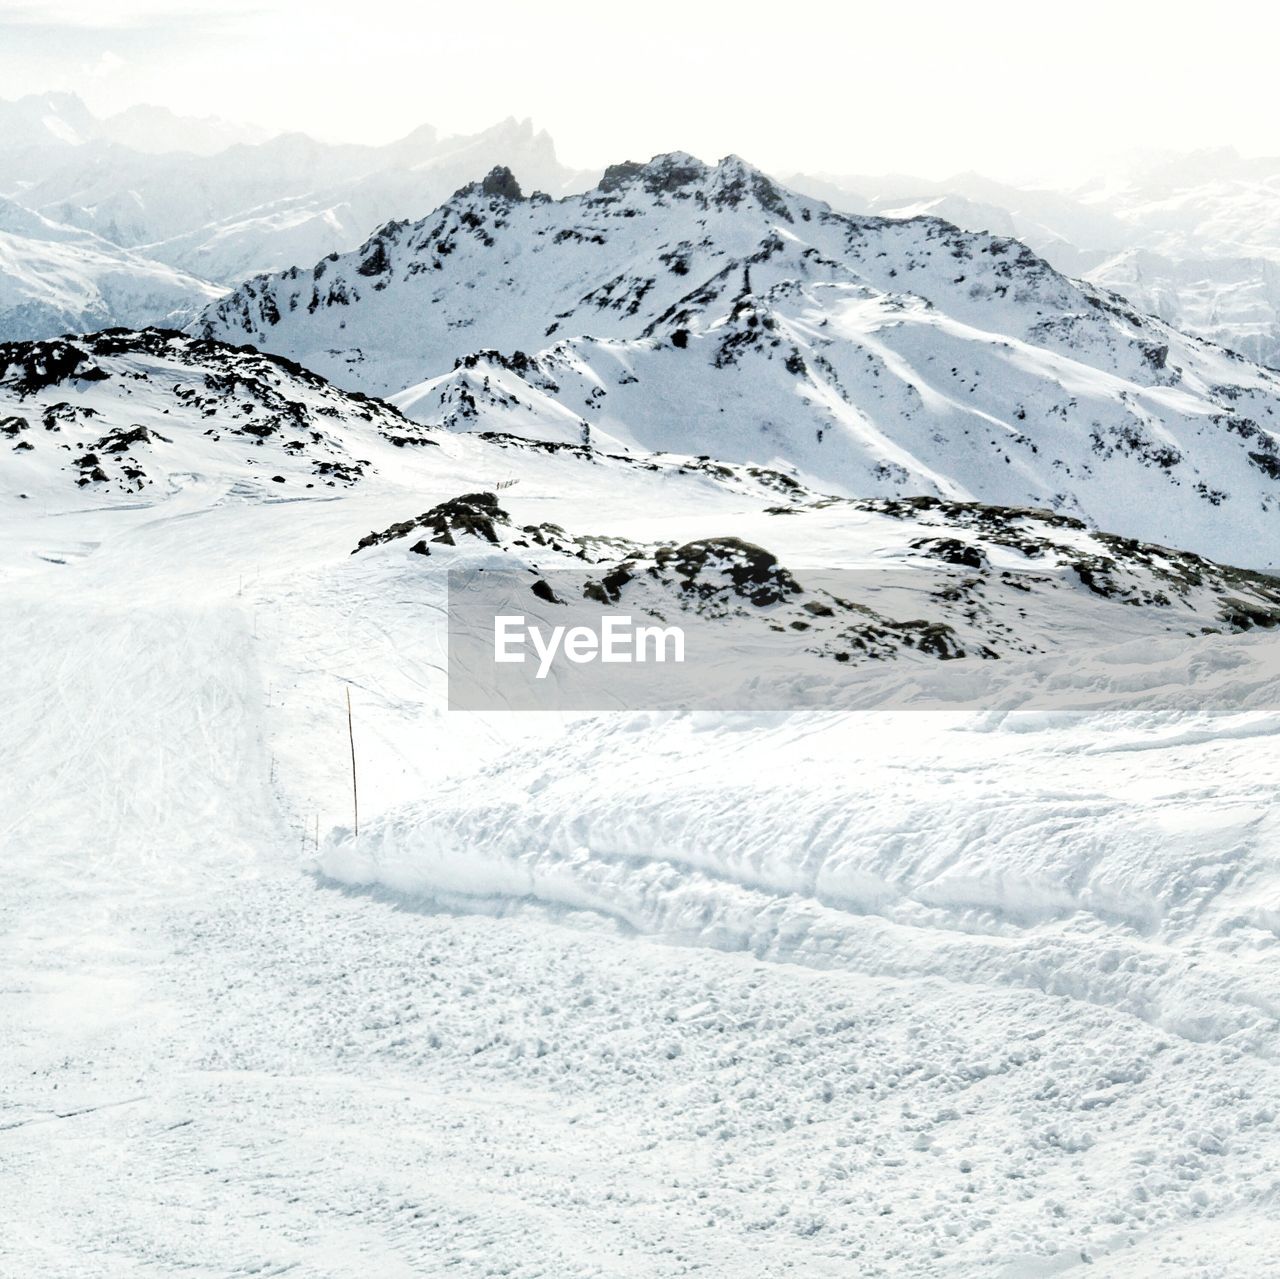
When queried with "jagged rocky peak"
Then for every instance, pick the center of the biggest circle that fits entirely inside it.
(671, 172)
(734, 180)
(501, 182)
(677, 173)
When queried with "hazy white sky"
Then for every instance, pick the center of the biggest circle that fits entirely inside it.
(918, 86)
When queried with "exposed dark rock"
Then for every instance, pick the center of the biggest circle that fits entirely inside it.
(501, 182)
(951, 550)
(608, 590)
(1267, 463)
(471, 515)
(753, 572)
(376, 262)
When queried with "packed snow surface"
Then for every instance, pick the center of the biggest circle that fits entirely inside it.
(885, 993)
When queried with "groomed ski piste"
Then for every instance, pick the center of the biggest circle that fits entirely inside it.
(905, 992)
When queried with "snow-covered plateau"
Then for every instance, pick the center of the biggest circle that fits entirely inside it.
(892, 991)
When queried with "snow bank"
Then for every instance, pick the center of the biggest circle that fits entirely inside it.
(1071, 855)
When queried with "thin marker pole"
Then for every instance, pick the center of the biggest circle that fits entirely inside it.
(355, 794)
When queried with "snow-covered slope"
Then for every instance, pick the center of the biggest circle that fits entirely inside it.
(58, 279)
(843, 602)
(704, 309)
(987, 994)
(1192, 238)
(116, 416)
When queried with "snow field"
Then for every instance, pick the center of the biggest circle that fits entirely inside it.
(921, 994)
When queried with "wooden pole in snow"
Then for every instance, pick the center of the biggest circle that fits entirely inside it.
(355, 794)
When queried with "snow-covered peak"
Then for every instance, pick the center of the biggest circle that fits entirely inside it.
(45, 120)
(648, 242)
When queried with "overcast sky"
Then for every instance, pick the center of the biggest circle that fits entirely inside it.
(1011, 89)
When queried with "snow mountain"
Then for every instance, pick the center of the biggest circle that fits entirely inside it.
(374, 186)
(1193, 239)
(703, 308)
(34, 127)
(155, 215)
(117, 417)
(59, 279)
(44, 120)
(158, 130)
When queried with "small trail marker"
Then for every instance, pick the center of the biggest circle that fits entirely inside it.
(355, 794)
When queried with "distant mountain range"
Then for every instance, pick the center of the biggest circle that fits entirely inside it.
(1192, 239)
(45, 121)
(61, 279)
(202, 205)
